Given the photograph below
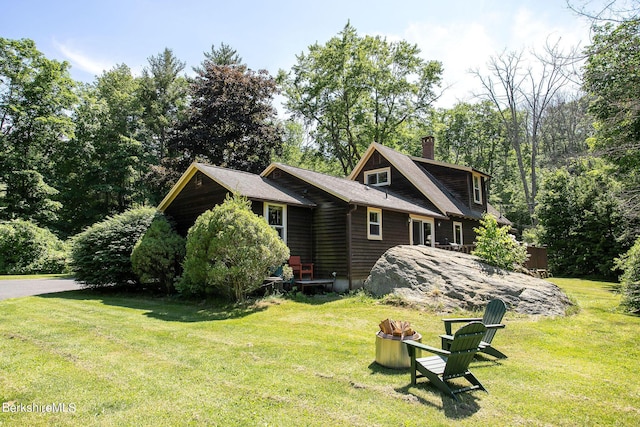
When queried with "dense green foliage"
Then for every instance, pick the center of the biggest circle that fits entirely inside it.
(156, 258)
(581, 220)
(72, 154)
(496, 246)
(355, 90)
(26, 248)
(36, 95)
(230, 121)
(101, 254)
(612, 80)
(230, 251)
(629, 264)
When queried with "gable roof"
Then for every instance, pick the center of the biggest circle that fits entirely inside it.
(354, 192)
(252, 186)
(424, 182)
(420, 178)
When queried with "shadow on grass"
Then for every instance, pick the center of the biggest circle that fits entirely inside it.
(464, 408)
(168, 308)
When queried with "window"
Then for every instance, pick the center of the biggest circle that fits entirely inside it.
(378, 177)
(374, 224)
(457, 233)
(477, 189)
(276, 216)
(422, 231)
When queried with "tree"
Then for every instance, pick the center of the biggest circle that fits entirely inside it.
(356, 90)
(566, 127)
(36, 95)
(581, 219)
(101, 169)
(231, 121)
(163, 97)
(522, 95)
(157, 256)
(611, 78)
(629, 264)
(230, 250)
(496, 246)
(162, 94)
(471, 135)
(224, 55)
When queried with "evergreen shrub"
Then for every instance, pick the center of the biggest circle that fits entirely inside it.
(156, 258)
(101, 254)
(26, 248)
(230, 251)
(629, 263)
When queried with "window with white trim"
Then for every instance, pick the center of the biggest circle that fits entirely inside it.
(457, 233)
(276, 216)
(477, 188)
(421, 231)
(378, 177)
(374, 224)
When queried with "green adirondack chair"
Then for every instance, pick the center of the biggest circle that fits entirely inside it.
(491, 319)
(449, 364)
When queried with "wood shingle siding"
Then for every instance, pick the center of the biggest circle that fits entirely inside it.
(327, 218)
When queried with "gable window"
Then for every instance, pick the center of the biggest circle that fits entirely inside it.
(477, 188)
(276, 216)
(374, 224)
(457, 233)
(378, 177)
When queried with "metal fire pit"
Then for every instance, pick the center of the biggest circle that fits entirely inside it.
(391, 353)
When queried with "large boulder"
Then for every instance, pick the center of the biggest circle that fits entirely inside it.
(447, 281)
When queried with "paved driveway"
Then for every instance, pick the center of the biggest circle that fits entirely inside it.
(27, 287)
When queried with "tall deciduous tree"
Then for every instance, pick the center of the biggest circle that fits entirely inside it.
(522, 93)
(35, 96)
(611, 78)
(231, 120)
(356, 90)
(102, 168)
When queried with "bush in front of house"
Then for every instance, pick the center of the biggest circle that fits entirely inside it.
(230, 251)
(629, 263)
(156, 258)
(26, 248)
(496, 246)
(101, 254)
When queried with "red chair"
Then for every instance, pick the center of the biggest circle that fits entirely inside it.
(300, 268)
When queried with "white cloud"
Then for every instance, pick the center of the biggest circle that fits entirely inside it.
(460, 48)
(463, 46)
(82, 61)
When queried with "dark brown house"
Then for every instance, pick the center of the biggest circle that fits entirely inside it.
(343, 225)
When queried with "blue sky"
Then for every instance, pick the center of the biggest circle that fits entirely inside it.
(96, 35)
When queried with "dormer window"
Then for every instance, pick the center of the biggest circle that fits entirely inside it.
(378, 177)
(477, 188)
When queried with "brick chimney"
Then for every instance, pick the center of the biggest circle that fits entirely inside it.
(428, 150)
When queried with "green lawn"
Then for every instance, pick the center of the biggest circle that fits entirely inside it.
(135, 361)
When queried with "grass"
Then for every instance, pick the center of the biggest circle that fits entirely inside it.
(123, 360)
